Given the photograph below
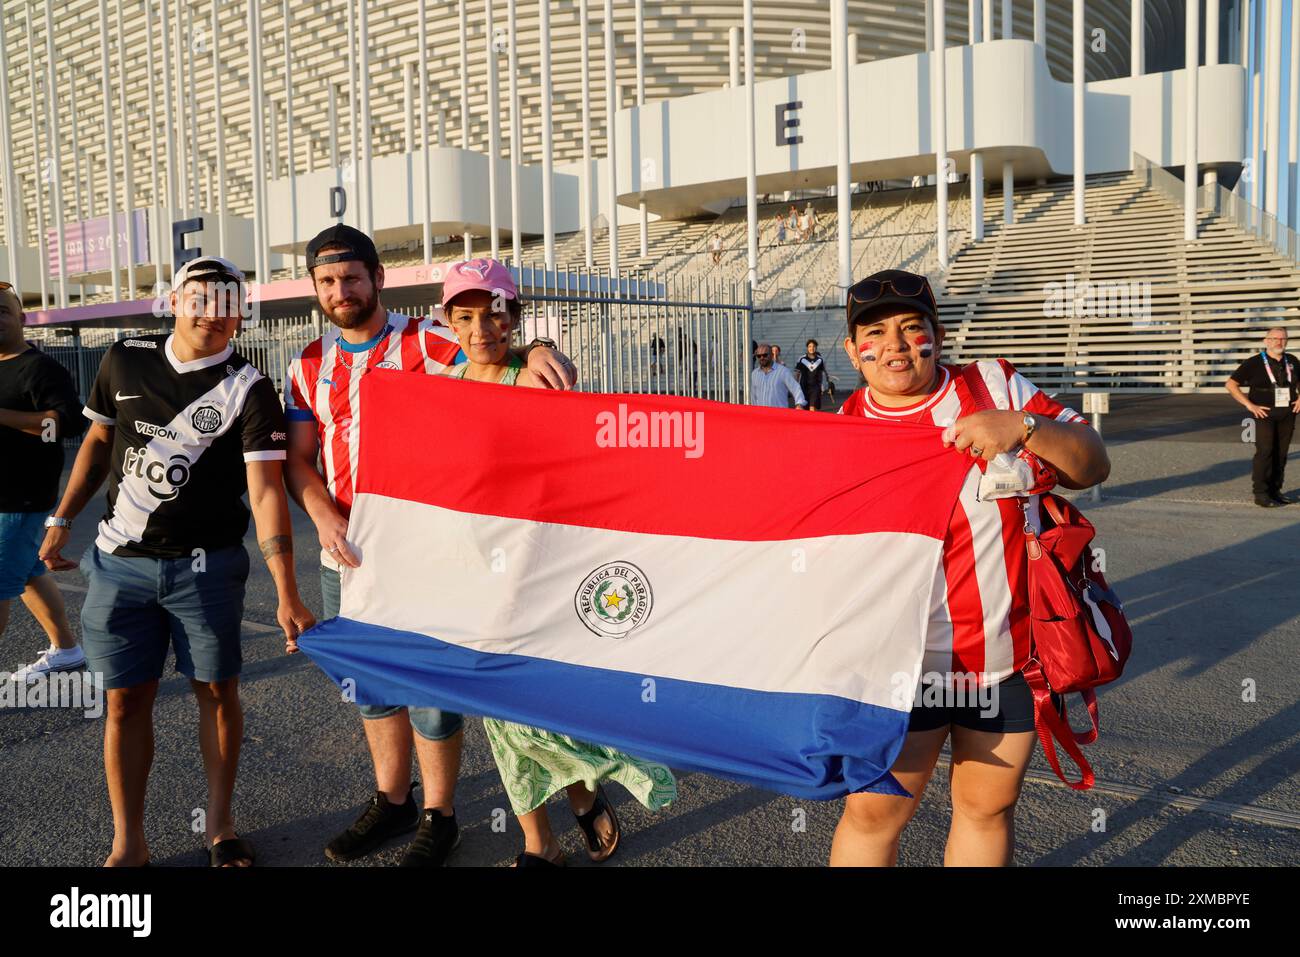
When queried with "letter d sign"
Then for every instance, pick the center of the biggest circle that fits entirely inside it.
(338, 201)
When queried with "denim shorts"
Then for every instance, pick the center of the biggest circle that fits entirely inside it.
(432, 724)
(136, 607)
(21, 534)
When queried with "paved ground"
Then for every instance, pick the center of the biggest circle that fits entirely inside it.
(1188, 773)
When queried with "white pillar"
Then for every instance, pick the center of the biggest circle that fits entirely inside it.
(584, 181)
(988, 19)
(363, 42)
(1080, 171)
(220, 124)
(640, 102)
(332, 115)
(1040, 22)
(1191, 62)
(408, 111)
(1006, 19)
(464, 104)
(106, 88)
(190, 84)
(288, 136)
(1256, 122)
(52, 120)
(157, 203)
(1211, 32)
(751, 154)
(273, 136)
(977, 196)
(939, 111)
(733, 56)
(1273, 104)
(169, 134)
(494, 132)
(6, 156)
(40, 244)
(426, 180)
(548, 140)
(255, 129)
(1294, 151)
(128, 167)
(516, 137)
(843, 194)
(611, 141)
(974, 22)
(1008, 193)
(1137, 37)
(853, 49)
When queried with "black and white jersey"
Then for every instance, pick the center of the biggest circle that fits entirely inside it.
(183, 431)
(809, 371)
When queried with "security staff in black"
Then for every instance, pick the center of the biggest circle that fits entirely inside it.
(809, 370)
(1271, 379)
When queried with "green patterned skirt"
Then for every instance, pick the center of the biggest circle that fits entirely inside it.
(536, 764)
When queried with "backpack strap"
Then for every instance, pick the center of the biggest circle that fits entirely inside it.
(979, 389)
(1053, 727)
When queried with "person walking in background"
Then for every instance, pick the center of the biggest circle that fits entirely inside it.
(780, 229)
(809, 371)
(772, 385)
(715, 247)
(1272, 381)
(38, 409)
(776, 356)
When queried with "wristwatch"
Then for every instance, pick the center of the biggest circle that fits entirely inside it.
(55, 522)
(542, 341)
(1031, 426)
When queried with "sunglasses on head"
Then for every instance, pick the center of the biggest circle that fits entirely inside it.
(911, 287)
(5, 286)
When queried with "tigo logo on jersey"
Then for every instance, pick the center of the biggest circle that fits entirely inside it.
(165, 478)
(614, 599)
(206, 419)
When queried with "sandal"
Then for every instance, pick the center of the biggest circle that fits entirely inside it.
(597, 850)
(536, 860)
(228, 852)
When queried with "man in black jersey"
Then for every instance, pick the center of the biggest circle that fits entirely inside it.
(181, 425)
(809, 371)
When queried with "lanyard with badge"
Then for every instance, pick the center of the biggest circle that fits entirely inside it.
(1281, 394)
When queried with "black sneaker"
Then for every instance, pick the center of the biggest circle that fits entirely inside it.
(1279, 499)
(380, 821)
(1263, 501)
(436, 838)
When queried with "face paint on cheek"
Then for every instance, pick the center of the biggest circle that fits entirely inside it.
(923, 343)
(866, 353)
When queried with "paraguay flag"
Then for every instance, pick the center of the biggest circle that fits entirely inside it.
(733, 590)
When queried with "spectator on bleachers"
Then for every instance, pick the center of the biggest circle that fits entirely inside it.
(715, 247)
(780, 229)
(1272, 380)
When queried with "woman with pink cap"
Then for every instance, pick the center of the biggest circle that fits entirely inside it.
(481, 305)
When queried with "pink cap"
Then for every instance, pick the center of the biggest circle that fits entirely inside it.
(486, 274)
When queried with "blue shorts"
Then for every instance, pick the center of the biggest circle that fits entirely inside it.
(432, 724)
(136, 607)
(21, 534)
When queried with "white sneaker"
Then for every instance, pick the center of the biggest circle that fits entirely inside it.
(52, 659)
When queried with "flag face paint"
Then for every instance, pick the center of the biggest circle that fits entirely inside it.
(866, 352)
(597, 591)
(923, 343)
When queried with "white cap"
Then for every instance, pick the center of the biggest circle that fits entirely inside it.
(208, 267)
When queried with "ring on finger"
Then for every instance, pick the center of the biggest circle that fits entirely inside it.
(976, 450)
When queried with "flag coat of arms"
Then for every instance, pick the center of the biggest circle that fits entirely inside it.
(733, 590)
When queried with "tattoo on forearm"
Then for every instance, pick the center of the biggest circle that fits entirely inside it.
(277, 545)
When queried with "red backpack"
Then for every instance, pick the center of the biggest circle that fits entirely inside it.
(1079, 637)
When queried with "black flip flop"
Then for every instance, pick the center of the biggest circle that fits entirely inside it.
(596, 850)
(232, 849)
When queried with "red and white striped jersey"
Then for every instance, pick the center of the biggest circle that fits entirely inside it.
(323, 385)
(979, 621)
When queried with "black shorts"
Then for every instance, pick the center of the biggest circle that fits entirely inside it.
(1005, 708)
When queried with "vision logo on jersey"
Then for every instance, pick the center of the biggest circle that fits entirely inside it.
(614, 599)
(150, 430)
(165, 478)
(206, 419)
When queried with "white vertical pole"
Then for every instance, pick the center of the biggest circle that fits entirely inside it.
(733, 56)
(78, 210)
(220, 125)
(273, 137)
(1080, 170)
(853, 49)
(288, 138)
(548, 141)
(1191, 58)
(442, 127)
(190, 84)
(356, 201)
(751, 151)
(1294, 100)
(516, 137)
(169, 133)
(1006, 19)
(408, 107)
(1040, 22)
(974, 22)
(332, 112)
(1273, 104)
(42, 241)
(10, 179)
(128, 167)
(426, 187)
(1137, 37)
(843, 191)
(184, 143)
(107, 92)
(585, 180)
(1256, 118)
(988, 19)
(1008, 193)
(939, 109)
(464, 102)
(1211, 32)
(975, 34)
(258, 158)
(363, 39)
(611, 139)
(56, 160)
(640, 102)
(156, 202)
(494, 132)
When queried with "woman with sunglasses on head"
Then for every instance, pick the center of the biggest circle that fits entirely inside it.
(977, 639)
(482, 308)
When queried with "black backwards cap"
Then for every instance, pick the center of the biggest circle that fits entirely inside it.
(358, 247)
